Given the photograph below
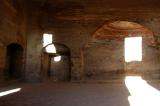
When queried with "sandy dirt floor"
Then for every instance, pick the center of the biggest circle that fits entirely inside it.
(67, 94)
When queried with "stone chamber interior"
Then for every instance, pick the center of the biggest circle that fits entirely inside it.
(74, 51)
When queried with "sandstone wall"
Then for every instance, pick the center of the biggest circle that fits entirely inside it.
(12, 29)
(73, 24)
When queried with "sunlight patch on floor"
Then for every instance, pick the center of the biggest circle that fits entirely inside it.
(9, 92)
(141, 93)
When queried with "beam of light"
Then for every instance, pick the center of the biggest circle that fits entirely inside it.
(141, 93)
(51, 49)
(47, 39)
(9, 92)
(133, 49)
(57, 58)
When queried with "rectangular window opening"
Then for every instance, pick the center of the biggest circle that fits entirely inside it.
(133, 49)
(47, 39)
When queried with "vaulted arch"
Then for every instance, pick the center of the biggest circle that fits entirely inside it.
(104, 54)
(118, 30)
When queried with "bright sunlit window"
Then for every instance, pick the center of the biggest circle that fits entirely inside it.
(9, 92)
(133, 49)
(47, 39)
(57, 58)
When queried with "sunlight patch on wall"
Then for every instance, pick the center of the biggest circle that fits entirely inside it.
(51, 49)
(133, 49)
(141, 93)
(9, 92)
(57, 58)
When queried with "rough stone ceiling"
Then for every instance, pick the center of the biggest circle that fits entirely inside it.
(93, 9)
(99, 3)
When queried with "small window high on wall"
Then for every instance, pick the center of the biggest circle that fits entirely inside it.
(47, 39)
(133, 49)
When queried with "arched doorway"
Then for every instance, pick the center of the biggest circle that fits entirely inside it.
(59, 64)
(14, 61)
(103, 55)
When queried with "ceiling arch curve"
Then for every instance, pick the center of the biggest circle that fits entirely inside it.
(118, 30)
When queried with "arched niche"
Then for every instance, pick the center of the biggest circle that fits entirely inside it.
(57, 70)
(14, 61)
(103, 55)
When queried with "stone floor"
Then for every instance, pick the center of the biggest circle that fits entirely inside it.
(67, 94)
